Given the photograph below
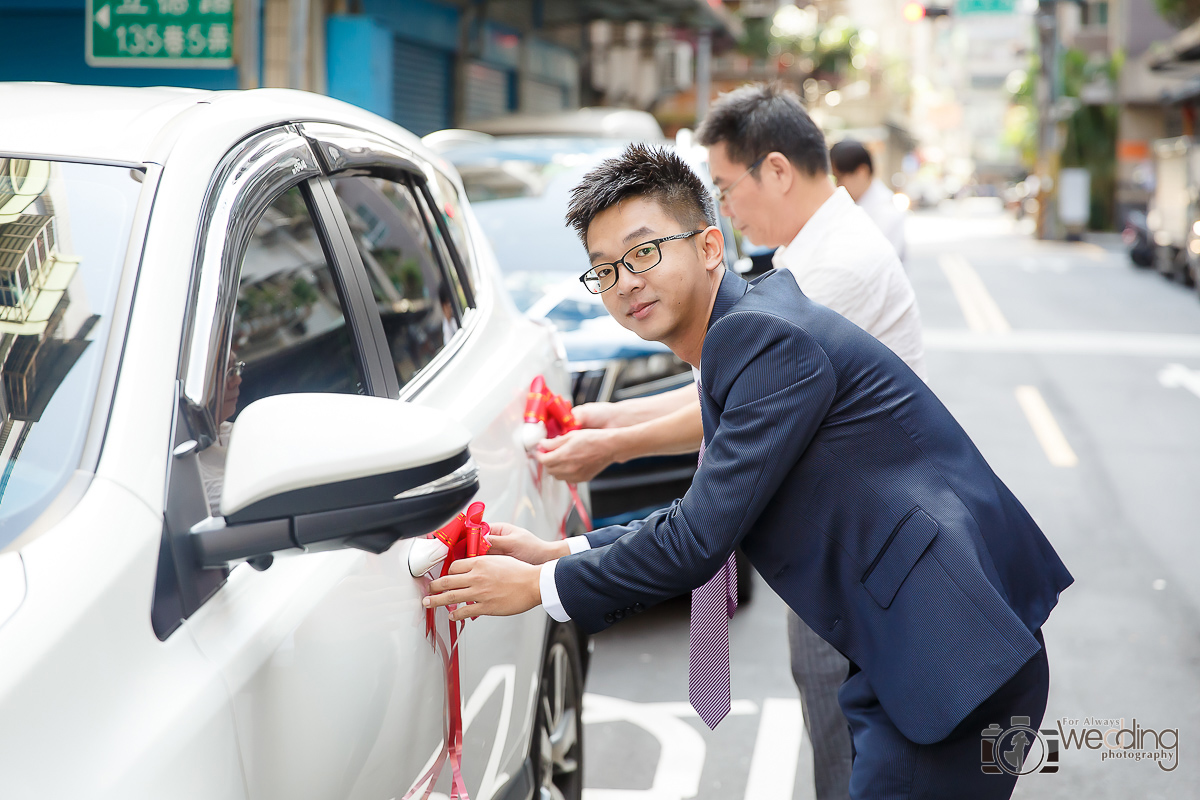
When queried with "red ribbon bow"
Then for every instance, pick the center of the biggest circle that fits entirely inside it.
(465, 537)
(549, 408)
(554, 411)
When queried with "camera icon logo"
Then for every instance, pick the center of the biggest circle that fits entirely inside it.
(1019, 749)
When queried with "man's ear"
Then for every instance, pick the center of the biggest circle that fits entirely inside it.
(713, 244)
(777, 173)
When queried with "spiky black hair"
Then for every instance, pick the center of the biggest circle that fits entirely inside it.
(645, 171)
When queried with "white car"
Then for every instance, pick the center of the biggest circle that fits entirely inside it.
(252, 344)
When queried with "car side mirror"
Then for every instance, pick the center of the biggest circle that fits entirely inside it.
(328, 471)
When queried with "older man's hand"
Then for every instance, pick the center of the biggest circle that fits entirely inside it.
(596, 415)
(579, 455)
(494, 586)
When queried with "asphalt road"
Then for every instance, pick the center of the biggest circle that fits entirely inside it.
(1078, 376)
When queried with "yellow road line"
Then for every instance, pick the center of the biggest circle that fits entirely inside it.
(980, 310)
(1045, 428)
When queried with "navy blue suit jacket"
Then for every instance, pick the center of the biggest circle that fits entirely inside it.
(860, 500)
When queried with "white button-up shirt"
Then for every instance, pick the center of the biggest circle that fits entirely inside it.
(880, 204)
(841, 260)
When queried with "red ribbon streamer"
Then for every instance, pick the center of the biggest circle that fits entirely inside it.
(465, 537)
(554, 411)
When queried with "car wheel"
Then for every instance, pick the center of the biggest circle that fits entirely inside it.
(558, 734)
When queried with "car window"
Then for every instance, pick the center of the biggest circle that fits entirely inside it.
(64, 230)
(289, 325)
(289, 328)
(455, 222)
(420, 307)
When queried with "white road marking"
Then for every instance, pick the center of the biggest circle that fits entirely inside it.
(980, 310)
(1175, 376)
(776, 751)
(737, 708)
(1099, 343)
(499, 675)
(1048, 434)
(681, 753)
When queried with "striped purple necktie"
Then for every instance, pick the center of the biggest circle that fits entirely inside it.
(713, 605)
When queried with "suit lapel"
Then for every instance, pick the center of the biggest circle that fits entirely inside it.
(732, 289)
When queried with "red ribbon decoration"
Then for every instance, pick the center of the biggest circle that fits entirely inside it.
(554, 411)
(465, 537)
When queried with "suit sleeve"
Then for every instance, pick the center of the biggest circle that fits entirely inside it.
(602, 537)
(773, 385)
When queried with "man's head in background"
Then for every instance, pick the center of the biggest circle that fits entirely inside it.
(852, 167)
(648, 224)
(768, 159)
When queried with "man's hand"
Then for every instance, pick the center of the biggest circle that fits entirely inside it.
(596, 415)
(496, 586)
(509, 540)
(579, 455)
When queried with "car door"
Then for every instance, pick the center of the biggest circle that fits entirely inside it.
(334, 691)
(453, 344)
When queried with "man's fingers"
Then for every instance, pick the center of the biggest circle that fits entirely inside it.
(550, 445)
(463, 565)
(471, 611)
(446, 598)
(456, 579)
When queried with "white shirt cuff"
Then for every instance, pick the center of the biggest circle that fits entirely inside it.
(578, 544)
(550, 599)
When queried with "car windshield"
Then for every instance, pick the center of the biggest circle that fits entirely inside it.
(519, 197)
(520, 190)
(64, 229)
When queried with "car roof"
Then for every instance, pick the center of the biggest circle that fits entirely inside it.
(111, 124)
(618, 123)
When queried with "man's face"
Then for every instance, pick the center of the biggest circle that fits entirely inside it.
(659, 303)
(856, 182)
(748, 203)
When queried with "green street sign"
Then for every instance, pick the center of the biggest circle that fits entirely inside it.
(159, 33)
(986, 7)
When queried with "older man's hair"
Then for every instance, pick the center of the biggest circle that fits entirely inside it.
(642, 171)
(762, 118)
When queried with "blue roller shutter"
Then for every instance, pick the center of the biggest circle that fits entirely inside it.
(422, 81)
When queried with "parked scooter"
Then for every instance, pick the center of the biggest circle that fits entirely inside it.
(1137, 238)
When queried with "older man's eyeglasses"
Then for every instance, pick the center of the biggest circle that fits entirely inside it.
(235, 368)
(640, 258)
(723, 194)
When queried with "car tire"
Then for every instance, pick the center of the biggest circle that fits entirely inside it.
(557, 748)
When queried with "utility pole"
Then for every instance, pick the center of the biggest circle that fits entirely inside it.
(1047, 109)
(703, 73)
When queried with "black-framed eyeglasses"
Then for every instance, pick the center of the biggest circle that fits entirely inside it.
(723, 194)
(640, 258)
(235, 368)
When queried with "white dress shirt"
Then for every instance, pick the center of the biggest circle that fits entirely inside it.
(880, 204)
(550, 599)
(841, 260)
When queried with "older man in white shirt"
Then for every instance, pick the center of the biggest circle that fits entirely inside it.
(855, 171)
(770, 163)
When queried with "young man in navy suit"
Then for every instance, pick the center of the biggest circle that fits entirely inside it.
(849, 486)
